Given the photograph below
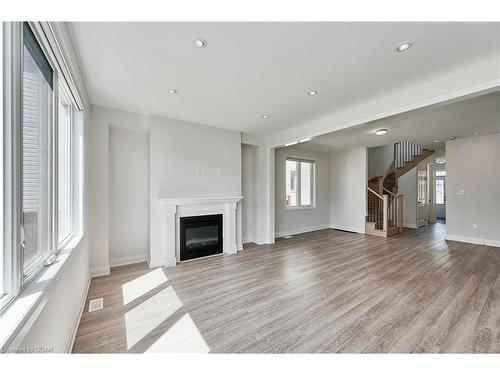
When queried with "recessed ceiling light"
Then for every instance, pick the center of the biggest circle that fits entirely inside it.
(265, 117)
(452, 138)
(381, 131)
(305, 140)
(291, 143)
(475, 133)
(437, 141)
(312, 92)
(200, 43)
(403, 47)
(172, 91)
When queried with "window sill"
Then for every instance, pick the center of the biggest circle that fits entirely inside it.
(300, 208)
(22, 312)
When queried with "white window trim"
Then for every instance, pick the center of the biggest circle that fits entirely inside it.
(22, 303)
(298, 184)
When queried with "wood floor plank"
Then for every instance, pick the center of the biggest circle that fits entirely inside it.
(323, 291)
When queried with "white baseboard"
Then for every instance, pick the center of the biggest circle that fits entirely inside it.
(123, 261)
(301, 230)
(473, 240)
(412, 226)
(247, 240)
(99, 271)
(71, 342)
(348, 229)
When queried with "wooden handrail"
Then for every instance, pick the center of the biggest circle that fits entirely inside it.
(374, 192)
(390, 192)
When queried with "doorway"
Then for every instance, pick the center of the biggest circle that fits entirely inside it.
(440, 187)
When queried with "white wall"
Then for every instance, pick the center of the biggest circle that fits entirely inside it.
(248, 190)
(407, 185)
(128, 196)
(473, 166)
(57, 323)
(189, 160)
(292, 221)
(379, 160)
(349, 172)
(127, 133)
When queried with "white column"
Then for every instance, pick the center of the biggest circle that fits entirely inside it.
(239, 224)
(229, 228)
(170, 228)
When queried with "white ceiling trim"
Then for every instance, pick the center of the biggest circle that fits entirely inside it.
(466, 82)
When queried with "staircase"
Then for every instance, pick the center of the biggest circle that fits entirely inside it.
(385, 205)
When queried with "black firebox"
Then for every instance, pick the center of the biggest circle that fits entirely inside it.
(200, 236)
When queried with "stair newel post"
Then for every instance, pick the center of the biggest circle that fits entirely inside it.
(400, 213)
(385, 213)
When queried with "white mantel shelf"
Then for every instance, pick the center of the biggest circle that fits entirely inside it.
(199, 200)
(166, 249)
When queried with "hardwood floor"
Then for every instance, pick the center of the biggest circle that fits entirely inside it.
(325, 291)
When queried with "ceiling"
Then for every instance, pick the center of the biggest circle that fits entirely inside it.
(460, 119)
(252, 69)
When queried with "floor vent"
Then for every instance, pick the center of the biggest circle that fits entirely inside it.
(96, 304)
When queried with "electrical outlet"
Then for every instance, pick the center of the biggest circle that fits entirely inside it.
(219, 171)
(474, 226)
(460, 192)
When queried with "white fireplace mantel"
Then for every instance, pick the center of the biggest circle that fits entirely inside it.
(166, 252)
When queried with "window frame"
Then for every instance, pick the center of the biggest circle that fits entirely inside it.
(14, 280)
(440, 179)
(71, 165)
(33, 271)
(298, 183)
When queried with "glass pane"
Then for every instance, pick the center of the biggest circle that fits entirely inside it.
(291, 183)
(305, 183)
(36, 136)
(63, 188)
(439, 191)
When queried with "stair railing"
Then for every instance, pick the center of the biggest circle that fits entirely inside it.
(395, 209)
(377, 209)
(404, 153)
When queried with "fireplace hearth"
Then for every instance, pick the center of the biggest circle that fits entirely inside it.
(200, 236)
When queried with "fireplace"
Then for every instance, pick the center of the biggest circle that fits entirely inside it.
(200, 236)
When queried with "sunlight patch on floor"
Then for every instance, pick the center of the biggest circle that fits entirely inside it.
(143, 318)
(143, 284)
(183, 337)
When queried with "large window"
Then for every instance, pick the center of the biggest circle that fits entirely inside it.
(37, 128)
(42, 140)
(299, 183)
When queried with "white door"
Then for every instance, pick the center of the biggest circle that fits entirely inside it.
(422, 205)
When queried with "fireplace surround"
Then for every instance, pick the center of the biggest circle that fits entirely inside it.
(167, 213)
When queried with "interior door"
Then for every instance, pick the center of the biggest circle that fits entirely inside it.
(422, 203)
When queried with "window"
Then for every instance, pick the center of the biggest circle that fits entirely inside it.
(64, 169)
(299, 183)
(42, 156)
(440, 173)
(37, 121)
(440, 197)
(421, 186)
